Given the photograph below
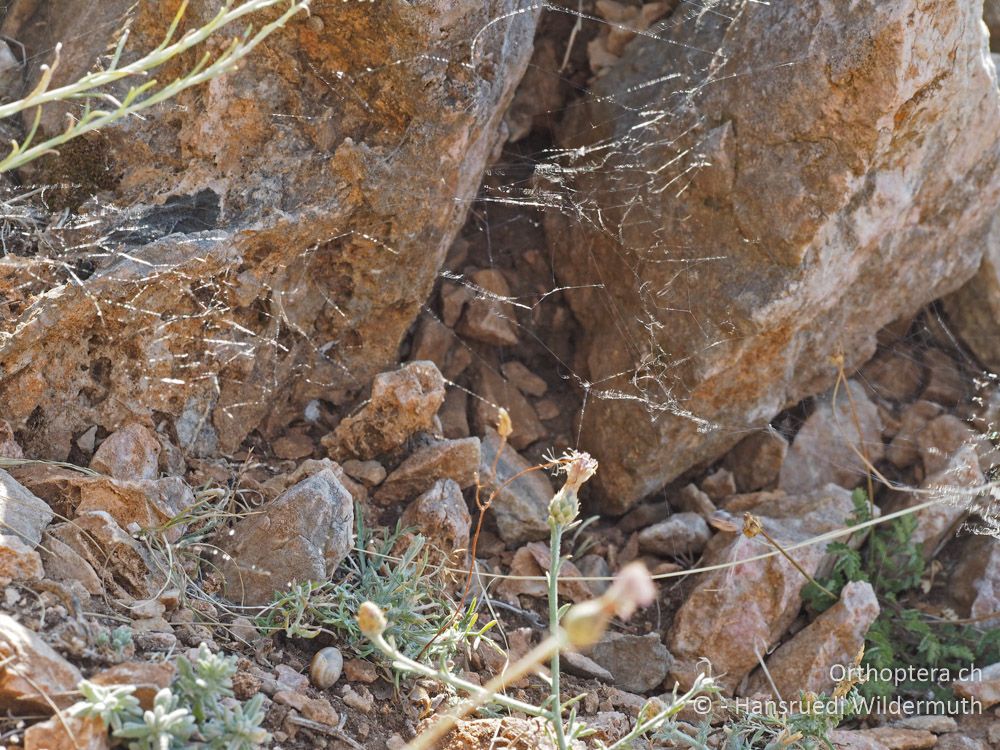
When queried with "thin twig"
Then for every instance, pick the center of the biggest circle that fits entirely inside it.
(326, 729)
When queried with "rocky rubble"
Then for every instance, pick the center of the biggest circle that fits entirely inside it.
(402, 403)
(440, 515)
(521, 505)
(23, 518)
(458, 460)
(207, 498)
(834, 443)
(835, 638)
(637, 663)
(403, 468)
(753, 603)
(33, 676)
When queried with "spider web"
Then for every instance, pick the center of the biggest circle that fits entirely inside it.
(49, 246)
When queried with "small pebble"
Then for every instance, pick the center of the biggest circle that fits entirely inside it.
(357, 701)
(524, 379)
(359, 670)
(369, 473)
(289, 679)
(546, 409)
(242, 629)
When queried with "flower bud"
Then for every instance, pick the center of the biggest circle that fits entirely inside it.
(585, 623)
(632, 588)
(371, 620)
(563, 508)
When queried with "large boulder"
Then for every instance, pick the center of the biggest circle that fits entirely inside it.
(285, 222)
(300, 536)
(734, 615)
(809, 661)
(753, 190)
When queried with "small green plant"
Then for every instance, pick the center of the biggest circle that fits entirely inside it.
(205, 682)
(116, 640)
(903, 640)
(197, 711)
(237, 727)
(808, 729)
(161, 728)
(405, 586)
(112, 704)
(579, 626)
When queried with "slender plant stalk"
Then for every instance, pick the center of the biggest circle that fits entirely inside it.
(644, 725)
(480, 695)
(138, 97)
(582, 626)
(752, 527)
(555, 563)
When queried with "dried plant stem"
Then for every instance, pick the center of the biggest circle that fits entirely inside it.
(480, 695)
(138, 98)
(752, 527)
(862, 449)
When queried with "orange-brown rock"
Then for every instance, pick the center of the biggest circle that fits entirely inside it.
(278, 242)
(751, 604)
(726, 244)
(402, 403)
(148, 678)
(300, 536)
(130, 452)
(51, 734)
(33, 677)
(816, 657)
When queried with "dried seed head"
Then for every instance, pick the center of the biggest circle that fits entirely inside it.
(580, 468)
(751, 525)
(504, 426)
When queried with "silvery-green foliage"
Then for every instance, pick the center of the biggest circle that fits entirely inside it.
(113, 704)
(202, 684)
(163, 727)
(237, 727)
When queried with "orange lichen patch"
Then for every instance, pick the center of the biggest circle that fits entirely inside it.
(362, 60)
(765, 355)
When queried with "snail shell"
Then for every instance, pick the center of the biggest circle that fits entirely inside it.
(326, 667)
